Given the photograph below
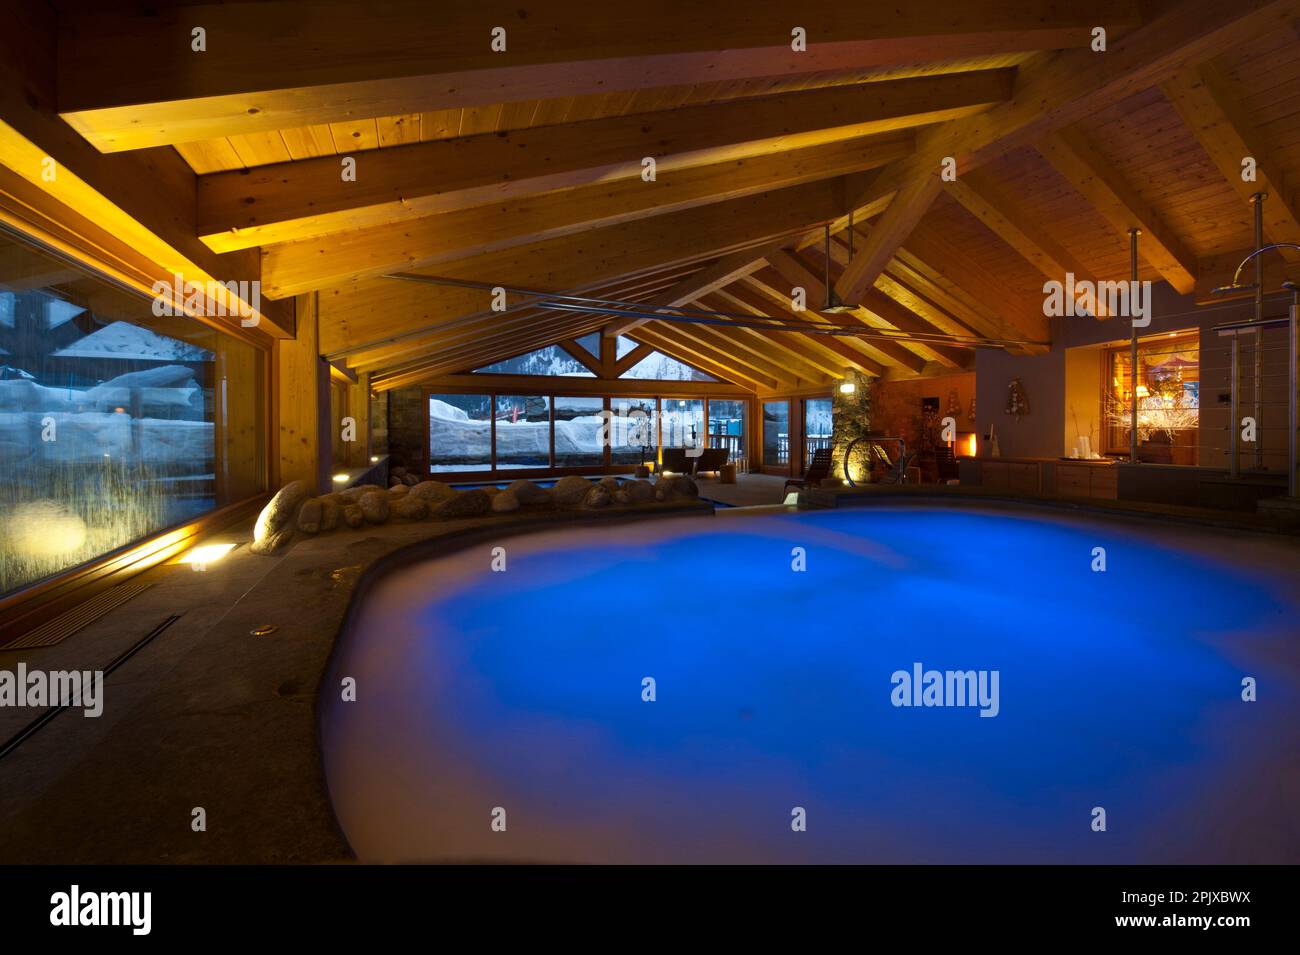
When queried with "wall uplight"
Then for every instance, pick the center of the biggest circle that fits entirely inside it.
(341, 479)
(847, 387)
(972, 448)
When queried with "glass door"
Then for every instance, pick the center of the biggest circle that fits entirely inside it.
(776, 435)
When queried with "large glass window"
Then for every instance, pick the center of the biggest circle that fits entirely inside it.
(634, 427)
(776, 433)
(727, 427)
(1168, 396)
(460, 432)
(115, 424)
(552, 361)
(816, 426)
(578, 424)
(523, 431)
(682, 422)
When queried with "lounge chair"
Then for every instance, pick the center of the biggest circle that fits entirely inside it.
(711, 460)
(674, 460)
(818, 469)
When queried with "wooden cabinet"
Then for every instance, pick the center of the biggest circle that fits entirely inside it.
(1087, 480)
(1018, 477)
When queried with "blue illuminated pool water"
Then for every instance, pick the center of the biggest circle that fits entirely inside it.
(522, 690)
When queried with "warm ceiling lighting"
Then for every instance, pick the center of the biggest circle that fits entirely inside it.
(341, 479)
(374, 459)
(848, 388)
(206, 554)
(1143, 392)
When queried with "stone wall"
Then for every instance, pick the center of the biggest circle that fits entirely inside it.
(850, 419)
(407, 422)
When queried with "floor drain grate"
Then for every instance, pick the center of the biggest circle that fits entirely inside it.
(70, 621)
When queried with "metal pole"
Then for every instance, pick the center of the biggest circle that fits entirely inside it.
(1133, 351)
(1257, 200)
(1234, 466)
(1291, 410)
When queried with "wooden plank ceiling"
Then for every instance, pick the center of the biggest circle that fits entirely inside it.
(523, 168)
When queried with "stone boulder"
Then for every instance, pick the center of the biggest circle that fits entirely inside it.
(410, 480)
(599, 495)
(433, 490)
(309, 515)
(399, 490)
(570, 489)
(353, 494)
(274, 525)
(610, 483)
(473, 503)
(679, 485)
(638, 492)
(330, 510)
(352, 515)
(526, 492)
(410, 508)
(505, 502)
(374, 506)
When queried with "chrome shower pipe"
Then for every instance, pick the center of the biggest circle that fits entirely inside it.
(1133, 352)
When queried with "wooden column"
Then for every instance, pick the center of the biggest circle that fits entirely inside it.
(357, 453)
(302, 412)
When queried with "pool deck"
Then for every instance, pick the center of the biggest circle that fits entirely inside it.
(208, 715)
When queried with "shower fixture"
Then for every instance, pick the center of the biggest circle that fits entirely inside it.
(834, 305)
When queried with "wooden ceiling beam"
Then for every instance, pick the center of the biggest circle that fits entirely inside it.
(799, 272)
(1012, 315)
(1013, 226)
(889, 232)
(1212, 110)
(143, 203)
(761, 289)
(295, 267)
(725, 344)
(669, 340)
(291, 200)
(278, 65)
(1058, 90)
(1093, 176)
(357, 310)
(723, 272)
(502, 328)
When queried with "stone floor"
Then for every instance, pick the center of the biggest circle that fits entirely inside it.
(750, 490)
(208, 715)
